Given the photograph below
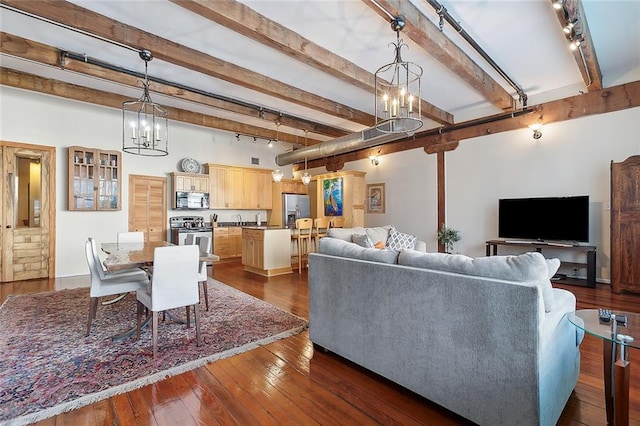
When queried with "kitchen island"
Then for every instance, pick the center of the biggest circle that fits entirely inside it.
(266, 250)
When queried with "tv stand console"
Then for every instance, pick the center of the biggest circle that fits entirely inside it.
(590, 252)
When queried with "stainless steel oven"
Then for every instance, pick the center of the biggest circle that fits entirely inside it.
(181, 226)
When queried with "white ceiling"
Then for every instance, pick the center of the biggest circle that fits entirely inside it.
(524, 38)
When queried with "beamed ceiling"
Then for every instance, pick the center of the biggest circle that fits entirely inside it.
(309, 64)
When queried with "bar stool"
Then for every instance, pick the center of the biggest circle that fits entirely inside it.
(303, 235)
(337, 222)
(320, 227)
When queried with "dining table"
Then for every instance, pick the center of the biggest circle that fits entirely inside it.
(123, 256)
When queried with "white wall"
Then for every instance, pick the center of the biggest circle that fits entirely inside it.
(29, 117)
(571, 158)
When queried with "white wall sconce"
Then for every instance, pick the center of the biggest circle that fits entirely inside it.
(537, 130)
(374, 160)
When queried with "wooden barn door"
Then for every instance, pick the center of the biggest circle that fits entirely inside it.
(27, 235)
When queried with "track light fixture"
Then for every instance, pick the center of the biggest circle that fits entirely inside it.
(537, 130)
(557, 4)
(576, 42)
(569, 27)
(374, 160)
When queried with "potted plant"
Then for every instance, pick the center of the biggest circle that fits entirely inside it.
(447, 237)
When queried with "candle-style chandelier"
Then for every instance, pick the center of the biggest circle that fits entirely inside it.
(145, 127)
(397, 91)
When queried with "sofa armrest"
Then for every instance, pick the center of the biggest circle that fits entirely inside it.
(421, 246)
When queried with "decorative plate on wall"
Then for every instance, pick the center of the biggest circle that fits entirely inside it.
(189, 165)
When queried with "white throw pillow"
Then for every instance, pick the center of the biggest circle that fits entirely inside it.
(399, 241)
(547, 288)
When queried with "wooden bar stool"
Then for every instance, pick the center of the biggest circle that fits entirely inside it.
(304, 227)
(320, 227)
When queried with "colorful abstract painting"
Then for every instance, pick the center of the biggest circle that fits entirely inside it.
(332, 190)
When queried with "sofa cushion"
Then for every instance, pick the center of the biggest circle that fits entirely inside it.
(547, 289)
(399, 241)
(529, 267)
(338, 247)
(362, 240)
(344, 233)
(379, 233)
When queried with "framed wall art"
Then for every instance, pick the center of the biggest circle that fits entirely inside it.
(375, 198)
(332, 195)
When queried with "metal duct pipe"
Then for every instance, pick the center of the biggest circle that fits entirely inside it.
(348, 143)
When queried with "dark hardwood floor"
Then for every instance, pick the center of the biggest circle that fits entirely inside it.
(287, 382)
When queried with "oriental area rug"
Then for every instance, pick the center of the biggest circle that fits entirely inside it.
(48, 366)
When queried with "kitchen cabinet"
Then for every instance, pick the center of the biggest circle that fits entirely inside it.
(221, 242)
(266, 251)
(353, 196)
(95, 179)
(190, 182)
(239, 188)
(148, 206)
(227, 241)
(235, 241)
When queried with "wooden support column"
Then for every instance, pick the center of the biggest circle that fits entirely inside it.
(442, 201)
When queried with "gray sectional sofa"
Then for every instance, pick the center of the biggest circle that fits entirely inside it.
(486, 338)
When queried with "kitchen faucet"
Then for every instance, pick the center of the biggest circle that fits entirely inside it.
(239, 219)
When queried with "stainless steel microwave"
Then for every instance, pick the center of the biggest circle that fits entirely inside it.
(192, 200)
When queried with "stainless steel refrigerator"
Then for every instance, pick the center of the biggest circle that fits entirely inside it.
(294, 206)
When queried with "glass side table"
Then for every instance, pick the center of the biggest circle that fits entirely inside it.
(616, 338)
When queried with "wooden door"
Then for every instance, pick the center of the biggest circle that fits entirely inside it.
(148, 206)
(625, 225)
(27, 235)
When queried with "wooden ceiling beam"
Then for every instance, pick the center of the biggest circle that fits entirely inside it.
(75, 92)
(597, 102)
(585, 54)
(86, 20)
(429, 37)
(248, 22)
(34, 51)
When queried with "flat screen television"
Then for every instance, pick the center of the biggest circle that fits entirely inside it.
(544, 218)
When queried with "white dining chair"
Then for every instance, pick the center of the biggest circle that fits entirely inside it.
(204, 243)
(174, 284)
(131, 237)
(205, 247)
(103, 284)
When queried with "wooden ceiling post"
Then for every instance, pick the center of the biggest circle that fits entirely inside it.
(442, 199)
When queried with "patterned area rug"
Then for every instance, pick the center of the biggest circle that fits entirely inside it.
(47, 366)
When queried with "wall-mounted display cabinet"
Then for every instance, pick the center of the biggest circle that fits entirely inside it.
(95, 179)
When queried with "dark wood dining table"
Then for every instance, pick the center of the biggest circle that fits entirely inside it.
(138, 255)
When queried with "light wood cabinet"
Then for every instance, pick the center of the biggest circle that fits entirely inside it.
(353, 196)
(235, 241)
(221, 242)
(190, 182)
(239, 188)
(253, 248)
(95, 179)
(148, 206)
(266, 252)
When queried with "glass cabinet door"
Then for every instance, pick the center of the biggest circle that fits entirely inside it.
(94, 179)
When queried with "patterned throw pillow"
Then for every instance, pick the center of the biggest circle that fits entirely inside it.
(399, 241)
